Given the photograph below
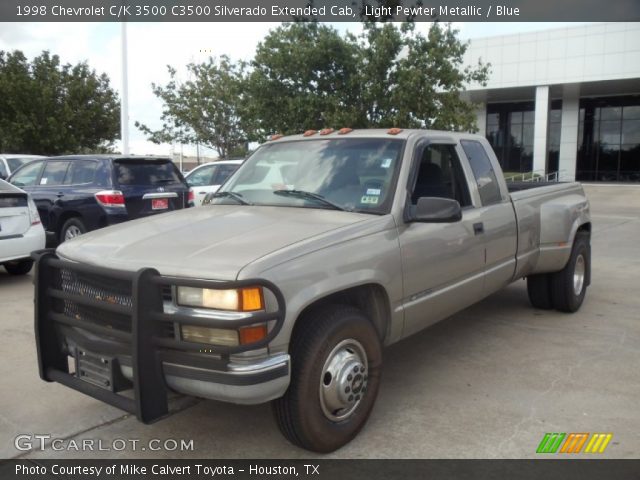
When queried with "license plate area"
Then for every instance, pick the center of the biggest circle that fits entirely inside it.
(159, 203)
(100, 370)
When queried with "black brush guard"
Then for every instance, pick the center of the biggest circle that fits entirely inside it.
(147, 341)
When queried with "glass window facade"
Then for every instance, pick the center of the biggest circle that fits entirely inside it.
(510, 133)
(608, 137)
(609, 140)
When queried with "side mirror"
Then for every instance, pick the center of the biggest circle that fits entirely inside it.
(436, 210)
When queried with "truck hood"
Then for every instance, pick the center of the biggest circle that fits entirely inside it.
(213, 242)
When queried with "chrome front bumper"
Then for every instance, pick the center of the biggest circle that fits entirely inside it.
(248, 384)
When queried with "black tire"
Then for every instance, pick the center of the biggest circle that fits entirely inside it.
(539, 290)
(71, 228)
(567, 295)
(300, 413)
(21, 267)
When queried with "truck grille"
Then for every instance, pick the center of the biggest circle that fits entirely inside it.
(108, 290)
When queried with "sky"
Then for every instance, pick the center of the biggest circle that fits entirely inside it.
(153, 46)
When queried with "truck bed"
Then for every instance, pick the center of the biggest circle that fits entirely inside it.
(517, 186)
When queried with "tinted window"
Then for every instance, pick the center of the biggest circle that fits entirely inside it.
(82, 172)
(222, 173)
(16, 162)
(28, 175)
(54, 173)
(201, 177)
(146, 172)
(12, 200)
(483, 172)
(440, 175)
(3, 170)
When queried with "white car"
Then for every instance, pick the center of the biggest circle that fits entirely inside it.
(208, 178)
(9, 163)
(21, 231)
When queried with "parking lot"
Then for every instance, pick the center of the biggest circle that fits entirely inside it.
(486, 383)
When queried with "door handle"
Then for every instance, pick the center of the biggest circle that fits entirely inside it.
(478, 228)
(60, 194)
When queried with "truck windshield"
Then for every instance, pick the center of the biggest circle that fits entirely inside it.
(347, 174)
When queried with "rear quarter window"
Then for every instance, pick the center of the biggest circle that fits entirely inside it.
(482, 171)
(82, 172)
(146, 172)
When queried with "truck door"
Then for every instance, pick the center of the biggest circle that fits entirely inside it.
(442, 263)
(496, 215)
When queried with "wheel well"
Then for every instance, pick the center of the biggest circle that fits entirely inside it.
(585, 227)
(371, 299)
(63, 218)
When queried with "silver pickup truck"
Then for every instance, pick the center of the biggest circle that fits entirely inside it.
(318, 251)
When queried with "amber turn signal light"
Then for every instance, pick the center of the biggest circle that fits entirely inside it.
(252, 299)
(252, 334)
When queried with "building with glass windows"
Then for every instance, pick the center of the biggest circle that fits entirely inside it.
(563, 102)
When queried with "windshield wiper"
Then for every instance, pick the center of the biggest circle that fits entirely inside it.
(310, 196)
(236, 196)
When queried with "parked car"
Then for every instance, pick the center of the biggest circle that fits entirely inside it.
(288, 292)
(10, 162)
(21, 231)
(77, 194)
(208, 177)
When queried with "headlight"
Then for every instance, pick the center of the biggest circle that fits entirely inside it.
(247, 299)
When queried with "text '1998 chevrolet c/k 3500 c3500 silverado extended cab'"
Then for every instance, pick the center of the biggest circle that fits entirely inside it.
(318, 251)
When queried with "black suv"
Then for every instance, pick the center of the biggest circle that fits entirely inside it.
(80, 193)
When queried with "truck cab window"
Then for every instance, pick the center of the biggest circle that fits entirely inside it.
(483, 171)
(440, 175)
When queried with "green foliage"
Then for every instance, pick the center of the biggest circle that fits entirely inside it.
(207, 109)
(49, 108)
(305, 75)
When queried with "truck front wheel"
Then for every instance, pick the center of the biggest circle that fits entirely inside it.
(569, 285)
(336, 365)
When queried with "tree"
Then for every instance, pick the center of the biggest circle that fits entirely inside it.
(49, 108)
(207, 109)
(415, 81)
(308, 76)
(304, 77)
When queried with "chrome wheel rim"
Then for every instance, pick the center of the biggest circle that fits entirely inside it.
(578, 275)
(72, 232)
(344, 379)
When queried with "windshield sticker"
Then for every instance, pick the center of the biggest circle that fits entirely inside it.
(369, 199)
(373, 191)
(43, 181)
(386, 163)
